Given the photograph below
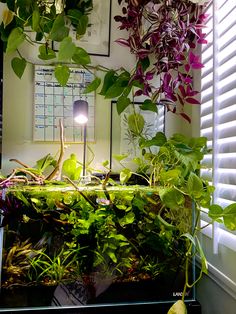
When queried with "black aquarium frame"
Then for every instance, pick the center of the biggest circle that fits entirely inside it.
(193, 307)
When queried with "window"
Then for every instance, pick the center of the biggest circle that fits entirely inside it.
(218, 109)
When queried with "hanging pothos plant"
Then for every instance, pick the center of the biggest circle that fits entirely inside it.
(42, 22)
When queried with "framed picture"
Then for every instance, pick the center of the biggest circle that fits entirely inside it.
(96, 40)
(123, 141)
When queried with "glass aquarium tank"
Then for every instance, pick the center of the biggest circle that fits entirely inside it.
(92, 246)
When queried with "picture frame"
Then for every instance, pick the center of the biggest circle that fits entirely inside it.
(120, 143)
(96, 40)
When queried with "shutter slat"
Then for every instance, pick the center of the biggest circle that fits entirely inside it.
(218, 97)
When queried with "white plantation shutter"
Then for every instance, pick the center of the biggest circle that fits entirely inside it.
(218, 97)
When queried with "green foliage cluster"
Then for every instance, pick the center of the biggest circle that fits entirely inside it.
(42, 22)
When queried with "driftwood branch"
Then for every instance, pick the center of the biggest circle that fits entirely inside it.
(81, 193)
(19, 162)
(35, 179)
(57, 168)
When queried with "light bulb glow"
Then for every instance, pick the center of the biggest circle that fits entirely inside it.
(81, 119)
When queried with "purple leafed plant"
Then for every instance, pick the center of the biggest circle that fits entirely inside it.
(163, 35)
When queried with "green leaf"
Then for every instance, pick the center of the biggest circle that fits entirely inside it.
(215, 211)
(198, 248)
(21, 197)
(145, 63)
(178, 308)
(119, 158)
(198, 142)
(195, 185)
(18, 66)
(81, 56)
(62, 74)
(165, 223)
(36, 20)
(15, 39)
(39, 36)
(120, 85)
(93, 85)
(109, 79)
(74, 15)
(127, 219)
(70, 169)
(149, 105)
(82, 25)
(59, 31)
(204, 265)
(171, 197)
(189, 237)
(125, 174)
(158, 140)
(105, 163)
(170, 176)
(112, 256)
(66, 50)
(136, 123)
(127, 91)
(122, 103)
(229, 216)
(46, 53)
(114, 91)
(44, 163)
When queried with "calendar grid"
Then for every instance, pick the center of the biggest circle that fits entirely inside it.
(53, 102)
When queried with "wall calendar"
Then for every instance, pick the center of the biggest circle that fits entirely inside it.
(53, 102)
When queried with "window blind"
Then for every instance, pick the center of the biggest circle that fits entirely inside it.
(218, 98)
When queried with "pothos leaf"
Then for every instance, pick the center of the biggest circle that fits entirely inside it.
(178, 308)
(171, 197)
(119, 158)
(93, 85)
(59, 31)
(81, 56)
(122, 103)
(18, 66)
(62, 74)
(125, 174)
(149, 105)
(46, 53)
(109, 80)
(36, 20)
(82, 25)
(15, 38)
(229, 216)
(136, 123)
(66, 50)
(194, 185)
